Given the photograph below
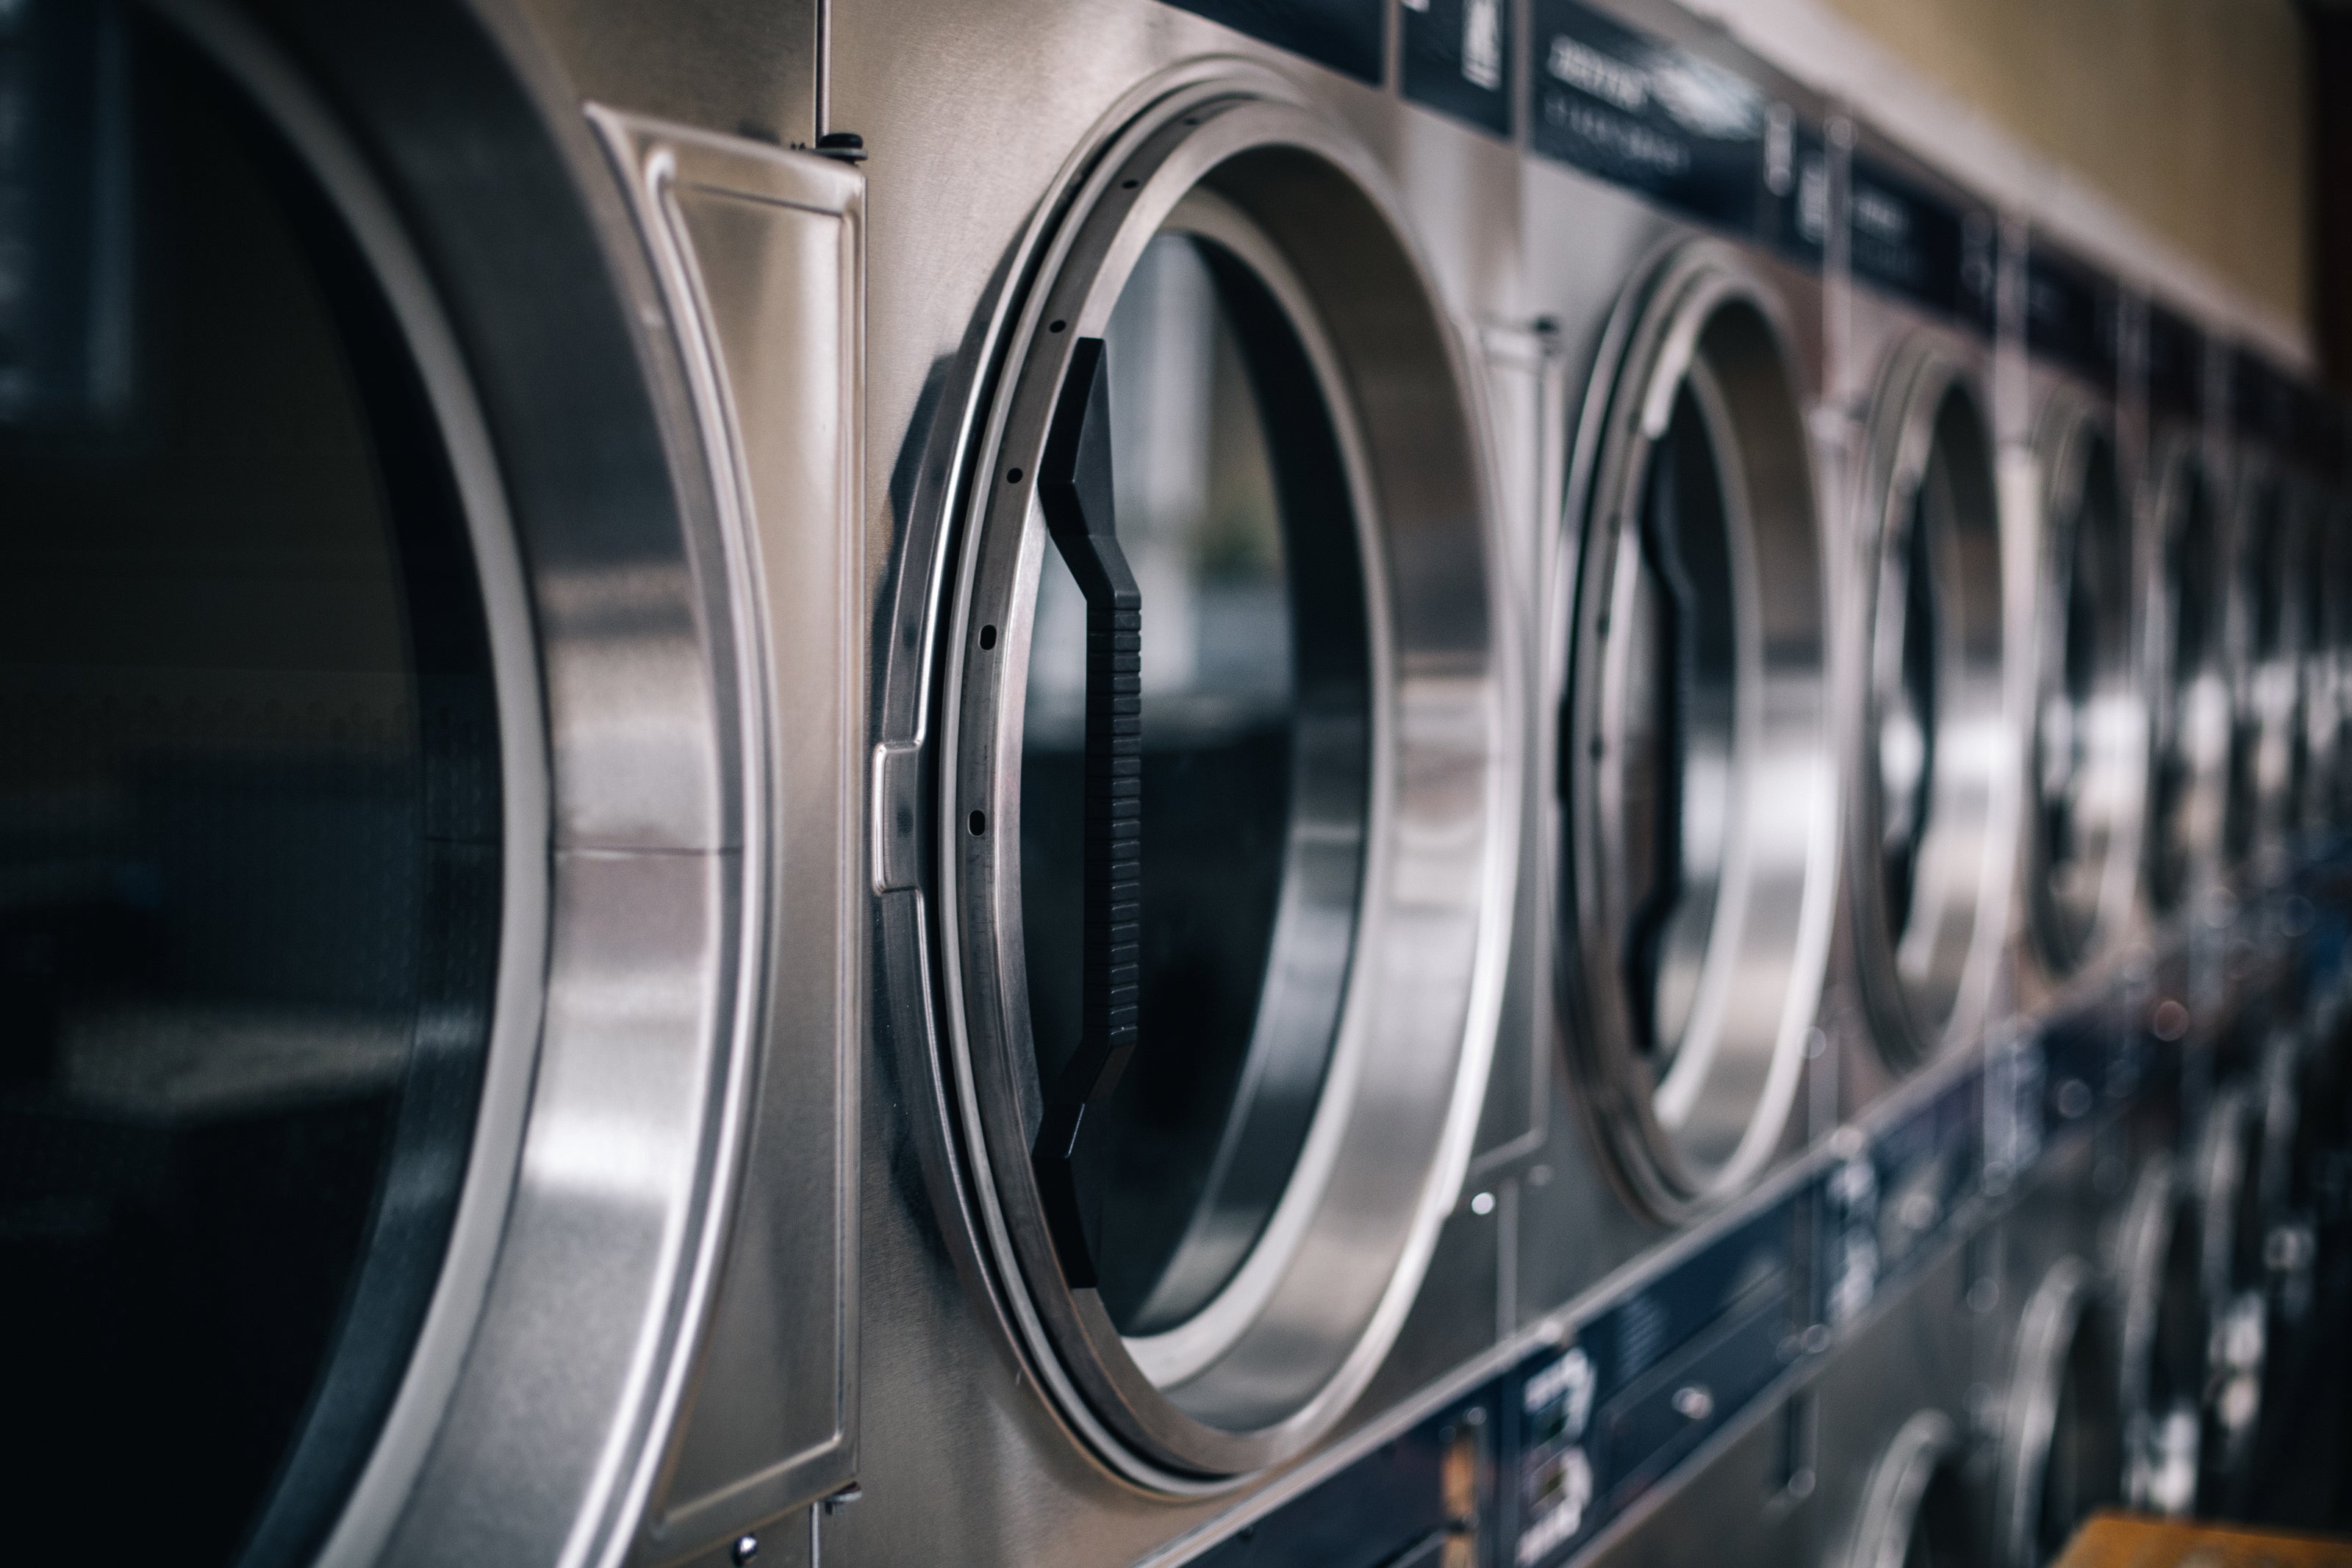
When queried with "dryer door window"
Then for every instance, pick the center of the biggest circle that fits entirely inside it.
(1227, 790)
(249, 839)
(2087, 735)
(1698, 775)
(1934, 752)
(1232, 512)
(2192, 741)
(1673, 760)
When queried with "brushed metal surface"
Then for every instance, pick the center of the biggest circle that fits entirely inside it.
(979, 116)
(760, 256)
(1929, 968)
(1901, 1376)
(1693, 1114)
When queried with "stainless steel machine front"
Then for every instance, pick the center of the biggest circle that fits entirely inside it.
(1132, 781)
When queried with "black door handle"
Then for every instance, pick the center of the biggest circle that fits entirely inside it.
(1073, 486)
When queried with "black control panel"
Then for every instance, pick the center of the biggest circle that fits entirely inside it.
(1915, 242)
(1797, 188)
(1348, 36)
(1457, 58)
(1646, 114)
(2073, 315)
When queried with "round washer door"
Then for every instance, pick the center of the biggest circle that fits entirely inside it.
(1699, 781)
(2191, 738)
(1227, 821)
(312, 1079)
(1919, 1511)
(2089, 741)
(1931, 804)
(255, 819)
(2061, 1454)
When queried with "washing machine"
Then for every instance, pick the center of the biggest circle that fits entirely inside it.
(432, 814)
(1902, 1465)
(2060, 1452)
(1923, 547)
(2263, 629)
(1918, 1510)
(2190, 713)
(2088, 739)
(1692, 722)
(1217, 524)
(1678, 221)
(1199, 667)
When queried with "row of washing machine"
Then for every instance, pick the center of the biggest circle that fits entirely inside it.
(1095, 781)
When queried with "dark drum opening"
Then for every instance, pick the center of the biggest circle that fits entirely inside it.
(1235, 512)
(1677, 731)
(2091, 647)
(2084, 1469)
(1944, 1532)
(2191, 601)
(249, 820)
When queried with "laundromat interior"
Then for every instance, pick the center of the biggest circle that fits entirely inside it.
(1143, 783)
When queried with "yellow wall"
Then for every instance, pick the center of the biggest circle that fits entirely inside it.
(2187, 114)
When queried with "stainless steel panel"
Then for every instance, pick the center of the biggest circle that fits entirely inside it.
(1912, 1353)
(604, 1215)
(760, 254)
(977, 115)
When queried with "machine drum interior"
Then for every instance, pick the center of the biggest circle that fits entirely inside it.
(1699, 791)
(2088, 740)
(1927, 797)
(2191, 737)
(1224, 1080)
(1255, 685)
(250, 835)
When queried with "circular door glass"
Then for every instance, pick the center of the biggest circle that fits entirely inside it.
(1701, 796)
(1918, 1511)
(1227, 844)
(2064, 1458)
(249, 801)
(1933, 738)
(2087, 732)
(1679, 619)
(1234, 517)
(2192, 732)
